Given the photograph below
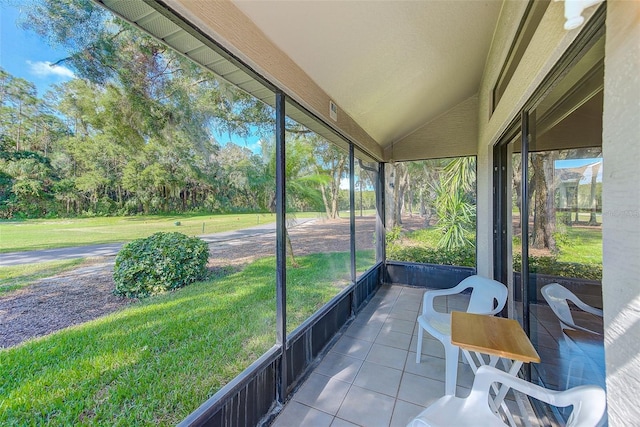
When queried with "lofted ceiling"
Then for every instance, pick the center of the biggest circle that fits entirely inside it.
(391, 65)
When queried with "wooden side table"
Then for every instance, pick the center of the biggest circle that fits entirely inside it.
(496, 337)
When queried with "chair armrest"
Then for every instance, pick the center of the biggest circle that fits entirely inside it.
(486, 375)
(579, 328)
(586, 307)
(429, 296)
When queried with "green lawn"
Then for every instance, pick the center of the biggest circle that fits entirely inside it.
(156, 361)
(44, 234)
(16, 277)
(581, 245)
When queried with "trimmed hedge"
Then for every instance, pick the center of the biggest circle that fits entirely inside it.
(551, 266)
(466, 257)
(159, 263)
(463, 257)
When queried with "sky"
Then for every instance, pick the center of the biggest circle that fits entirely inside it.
(23, 54)
(574, 163)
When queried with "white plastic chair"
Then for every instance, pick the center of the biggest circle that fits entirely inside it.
(487, 297)
(588, 401)
(557, 296)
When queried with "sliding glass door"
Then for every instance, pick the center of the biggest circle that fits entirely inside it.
(548, 223)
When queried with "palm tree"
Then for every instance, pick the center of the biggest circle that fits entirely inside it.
(302, 181)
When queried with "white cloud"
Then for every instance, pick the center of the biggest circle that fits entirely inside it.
(46, 69)
(256, 147)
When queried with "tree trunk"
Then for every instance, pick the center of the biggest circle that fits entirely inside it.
(19, 127)
(517, 181)
(550, 206)
(325, 202)
(402, 180)
(335, 187)
(294, 263)
(390, 195)
(543, 209)
(334, 207)
(594, 201)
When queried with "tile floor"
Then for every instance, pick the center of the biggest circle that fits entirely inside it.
(370, 377)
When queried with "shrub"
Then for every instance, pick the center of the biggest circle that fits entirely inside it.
(159, 263)
(464, 256)
(551, 266)
(393, 234)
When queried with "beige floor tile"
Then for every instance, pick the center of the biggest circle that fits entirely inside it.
(413, 300)
(399, 325)
(429, 366)
(404, 412)
(338, 422)
(394, 339)
(420, 390)
(378, 378)
(387, 356)
(297, 414)
(367, 408)
(352, 347)
(367, 332)
(399, 313)
(339, 366)
(413, 305)
(430, 346)
(323, 393)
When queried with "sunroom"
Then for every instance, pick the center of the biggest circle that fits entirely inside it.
(401, 88)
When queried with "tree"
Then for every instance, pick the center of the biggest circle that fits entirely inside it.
(331, 163)
(28, 180)
(455, 203)
(19, 105)
(397, 181)
(301, 184)
(543, 201)
(133, 131)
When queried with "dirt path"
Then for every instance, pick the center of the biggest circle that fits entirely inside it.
(83, 294)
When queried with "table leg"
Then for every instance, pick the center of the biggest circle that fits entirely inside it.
(500, 392)
(515, 367)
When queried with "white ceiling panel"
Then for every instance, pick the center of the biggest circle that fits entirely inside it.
(391, 65)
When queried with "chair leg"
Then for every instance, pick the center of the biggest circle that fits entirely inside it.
(419, 346)
(451, 368)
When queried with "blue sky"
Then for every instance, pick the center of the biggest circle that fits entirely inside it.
(574, 163)
(23, 54)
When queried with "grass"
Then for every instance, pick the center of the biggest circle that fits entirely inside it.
(156, 361)
(581, 245)
(426, 236)
(14, 278)
(430, 237)
(36, 234)
(44, 234)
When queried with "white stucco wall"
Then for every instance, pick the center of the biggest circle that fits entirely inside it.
(453, 133)
(621, 212)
